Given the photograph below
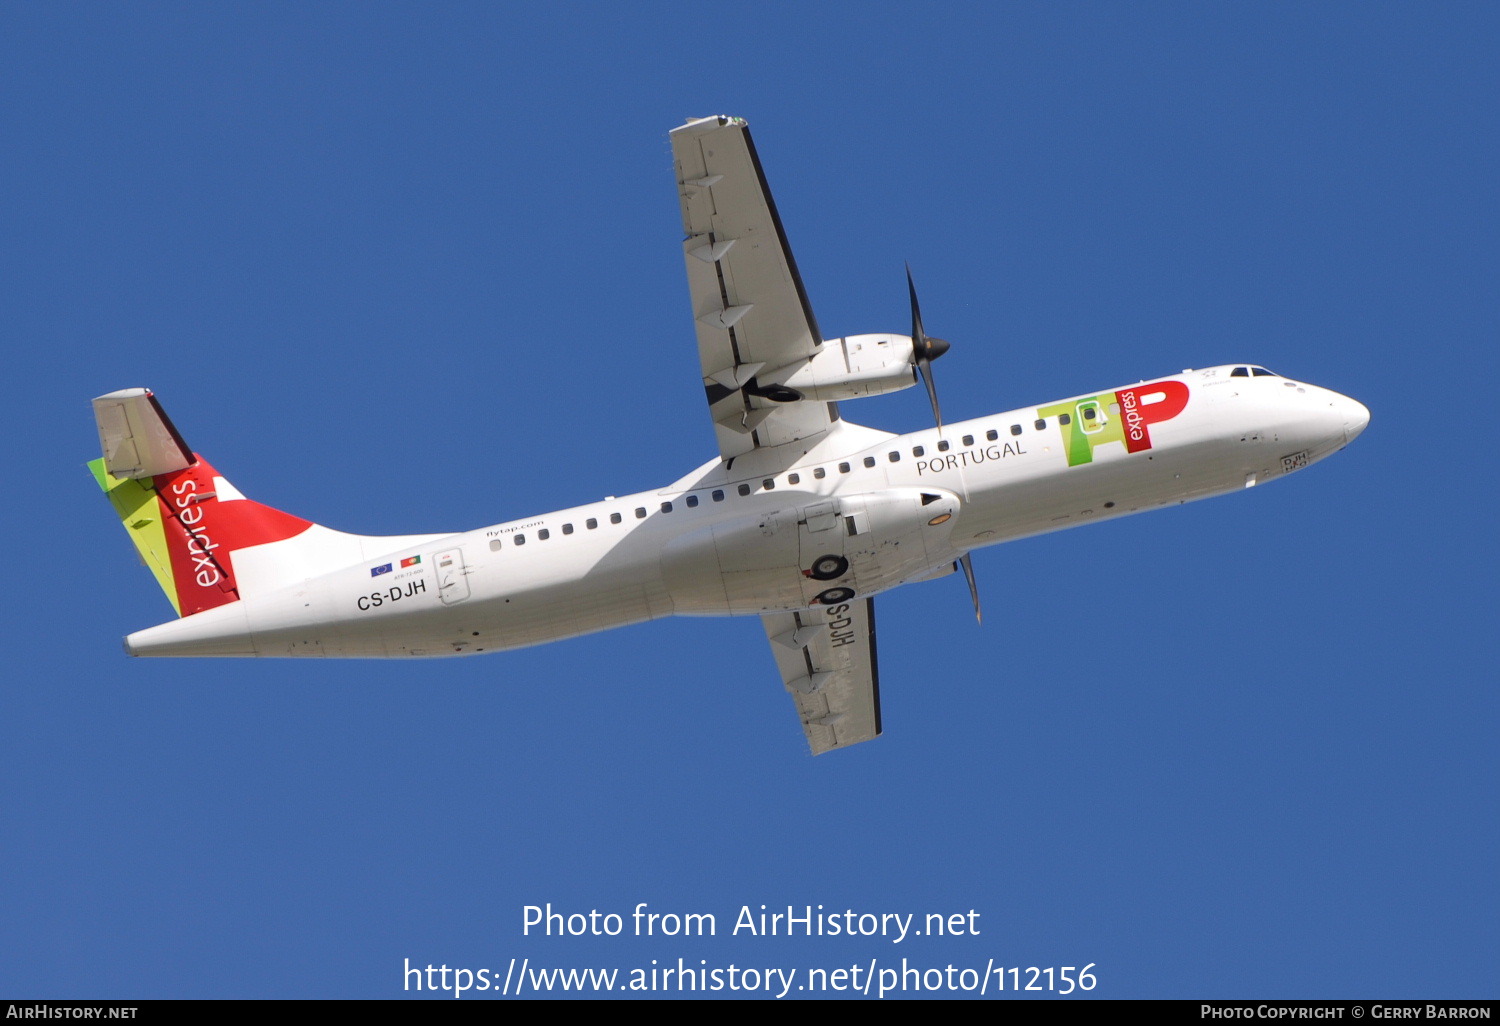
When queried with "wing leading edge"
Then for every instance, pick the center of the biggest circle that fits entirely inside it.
(753, 319)
(827, 662)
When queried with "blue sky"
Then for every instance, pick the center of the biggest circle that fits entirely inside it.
(401, 268)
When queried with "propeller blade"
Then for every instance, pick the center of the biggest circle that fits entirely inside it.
(917, 335)
(968, 568)
(923, 349)
(925, 366)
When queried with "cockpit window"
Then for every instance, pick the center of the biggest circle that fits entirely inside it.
(1261, 372)
(1240, 372)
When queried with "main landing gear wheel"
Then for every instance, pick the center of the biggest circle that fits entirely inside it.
(829, 568)
(833, 596)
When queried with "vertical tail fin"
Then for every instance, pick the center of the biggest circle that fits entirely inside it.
(185, 519)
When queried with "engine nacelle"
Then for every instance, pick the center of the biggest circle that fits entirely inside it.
(818, 553)
(854, 367)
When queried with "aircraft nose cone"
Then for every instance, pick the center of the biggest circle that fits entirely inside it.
(1356, 418)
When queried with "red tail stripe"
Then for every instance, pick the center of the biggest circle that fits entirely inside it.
(203, 532)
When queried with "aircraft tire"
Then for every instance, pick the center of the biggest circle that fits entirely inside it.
(829, 568)
(833, 596)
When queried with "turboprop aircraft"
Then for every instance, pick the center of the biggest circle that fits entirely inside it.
(801, 519)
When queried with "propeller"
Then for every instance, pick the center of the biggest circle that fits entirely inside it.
(924, 349)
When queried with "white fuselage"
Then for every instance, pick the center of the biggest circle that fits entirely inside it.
(898, 508)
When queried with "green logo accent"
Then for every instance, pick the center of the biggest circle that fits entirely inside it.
(1092, 421)
(135, 501)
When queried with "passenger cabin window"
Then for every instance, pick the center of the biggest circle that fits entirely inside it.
(744, 489)
(869, 461)
(1064, 418)
(1089, 413)
(943, 446)
(917, 450)
(895, 457)
(666, 507)
(567, 528)
(615, 518)
(1041, 425)
(692, 500)
(520, 539)
(1015, 429)
(843, 468)
(968, 440)
(819, 473)
(591, 523)
(543, 534)
(768, 483)
(718, 495)
(640, 512)
(792, 479)
(991, 435)
(494, 544)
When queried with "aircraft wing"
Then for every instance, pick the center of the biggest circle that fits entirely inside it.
(827, 662)
(753, 319)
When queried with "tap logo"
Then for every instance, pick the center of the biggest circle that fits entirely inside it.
(1124, 416)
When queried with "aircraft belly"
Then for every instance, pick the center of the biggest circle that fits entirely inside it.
(527, 618)
(492, 624)
(1113, 485)
(399, 613)
(742, 565)
(515, 603)
(800, 556)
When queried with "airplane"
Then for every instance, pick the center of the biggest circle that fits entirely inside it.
(801, 519)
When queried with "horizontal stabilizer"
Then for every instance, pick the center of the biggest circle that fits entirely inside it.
(138, 439)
